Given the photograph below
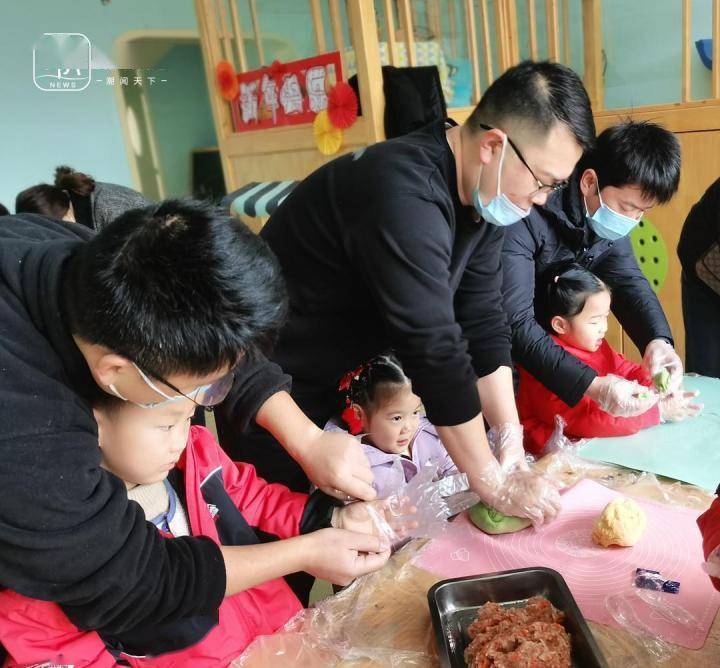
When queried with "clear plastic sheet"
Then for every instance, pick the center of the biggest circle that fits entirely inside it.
(665, 608)
(621, 609)
(425, 504)
(353, 628)
(424, 493)
(563, 464)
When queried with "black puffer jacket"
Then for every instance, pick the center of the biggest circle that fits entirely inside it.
(555, 233)
(701, 229)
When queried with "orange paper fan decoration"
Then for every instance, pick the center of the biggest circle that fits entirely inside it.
(342, 105)
(327, 137)
(227, 80)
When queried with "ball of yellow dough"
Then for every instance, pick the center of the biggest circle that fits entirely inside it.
(621, 523)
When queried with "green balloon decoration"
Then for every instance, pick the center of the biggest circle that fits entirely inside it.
(651, 253)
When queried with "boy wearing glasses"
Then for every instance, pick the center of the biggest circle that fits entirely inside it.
(633, 167)
(187, 486)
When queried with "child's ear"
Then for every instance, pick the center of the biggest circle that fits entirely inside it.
(362, 416)
(559, 325)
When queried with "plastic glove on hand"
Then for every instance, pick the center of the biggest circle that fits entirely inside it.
(659, 356)
(520, 493)
(389, 518)
(506, 443)
(623, 398)
(679, 406)
(340, 556)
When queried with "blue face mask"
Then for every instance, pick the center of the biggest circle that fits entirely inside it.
(499, 210)
(610, 224)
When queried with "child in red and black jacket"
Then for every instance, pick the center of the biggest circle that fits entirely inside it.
(187, 486)
(574, 305)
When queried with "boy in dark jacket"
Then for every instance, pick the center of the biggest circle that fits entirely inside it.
(187, 486)
(634, 166)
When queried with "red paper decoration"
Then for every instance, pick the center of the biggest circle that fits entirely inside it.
(227, 80)
(342, 105)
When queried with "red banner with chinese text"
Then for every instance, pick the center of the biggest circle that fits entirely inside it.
(285, 93)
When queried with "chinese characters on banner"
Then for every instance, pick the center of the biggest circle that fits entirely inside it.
(286, 94)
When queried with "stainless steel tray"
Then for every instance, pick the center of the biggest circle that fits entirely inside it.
(454, 604)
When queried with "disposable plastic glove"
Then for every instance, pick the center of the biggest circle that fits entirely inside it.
(659, 355)
(623, 398)
(520, 493)
(679, 406)
(506, 443)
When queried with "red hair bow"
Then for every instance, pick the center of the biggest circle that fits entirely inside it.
(348, 378)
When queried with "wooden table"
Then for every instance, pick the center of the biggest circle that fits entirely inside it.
(383, 620)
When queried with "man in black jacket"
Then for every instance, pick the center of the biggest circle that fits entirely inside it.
(398, 246)
(633, 167)
(166, 302)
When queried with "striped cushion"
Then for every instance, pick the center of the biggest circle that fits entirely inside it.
(258, 199)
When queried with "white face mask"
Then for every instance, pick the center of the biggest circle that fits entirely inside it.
(499, 210)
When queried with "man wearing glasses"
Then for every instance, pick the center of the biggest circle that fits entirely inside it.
(166, 304)
(633, 167)
(398, 245)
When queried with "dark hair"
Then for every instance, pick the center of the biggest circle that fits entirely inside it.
(537, 95)
(181, 287)
(66, 178)
(564, 291)
(44, 199)
(54, 201)
(637, 153)
(375, 383)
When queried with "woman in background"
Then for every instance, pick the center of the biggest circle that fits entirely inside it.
(77, 198)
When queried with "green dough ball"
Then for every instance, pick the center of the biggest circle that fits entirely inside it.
(661, 380)
(491, 521)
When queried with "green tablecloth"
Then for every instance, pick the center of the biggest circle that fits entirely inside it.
(687, 451)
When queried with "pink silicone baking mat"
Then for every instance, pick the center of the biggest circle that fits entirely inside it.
(671, 544)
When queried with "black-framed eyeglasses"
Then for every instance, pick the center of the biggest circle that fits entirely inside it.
(541, 187)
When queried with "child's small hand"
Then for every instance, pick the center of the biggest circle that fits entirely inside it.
(390, 518)
(341, 556)
(678, 406)
(621, 397)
